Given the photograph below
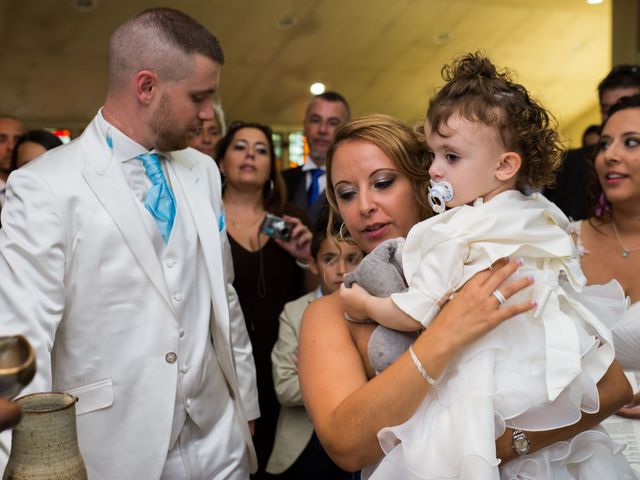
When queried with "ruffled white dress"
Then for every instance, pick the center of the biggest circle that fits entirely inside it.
(537, 371)
(626, 333)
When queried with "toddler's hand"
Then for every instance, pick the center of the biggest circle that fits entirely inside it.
(354, 301)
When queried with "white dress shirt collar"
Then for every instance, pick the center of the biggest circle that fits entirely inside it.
(124, 148)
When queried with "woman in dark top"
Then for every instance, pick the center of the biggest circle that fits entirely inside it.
(266, 271)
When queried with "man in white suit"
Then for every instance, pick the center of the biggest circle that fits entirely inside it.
(140, 322)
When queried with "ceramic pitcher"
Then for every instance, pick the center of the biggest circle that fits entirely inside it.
(44, 444)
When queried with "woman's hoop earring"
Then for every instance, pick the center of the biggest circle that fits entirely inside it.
(341, 231)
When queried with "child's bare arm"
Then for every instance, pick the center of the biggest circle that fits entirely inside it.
(360, 305)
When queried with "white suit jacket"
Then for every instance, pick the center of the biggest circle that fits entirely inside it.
(81, 280)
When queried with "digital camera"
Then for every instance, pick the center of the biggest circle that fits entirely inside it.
(276, 227)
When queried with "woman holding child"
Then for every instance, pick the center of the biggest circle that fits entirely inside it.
(377, 182)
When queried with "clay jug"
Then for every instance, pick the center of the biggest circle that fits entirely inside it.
(44, 444)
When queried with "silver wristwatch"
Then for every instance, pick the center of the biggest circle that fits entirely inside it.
(520, 443)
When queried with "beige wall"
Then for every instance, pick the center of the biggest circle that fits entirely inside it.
(625, 46)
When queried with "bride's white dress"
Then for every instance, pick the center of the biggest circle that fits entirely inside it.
(626, 337)
(537, 371)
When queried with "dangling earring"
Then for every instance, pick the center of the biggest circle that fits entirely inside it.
(270, 188)
(341, 231)
(602, 206)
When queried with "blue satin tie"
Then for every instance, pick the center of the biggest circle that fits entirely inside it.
(160, 201)
(314, 187)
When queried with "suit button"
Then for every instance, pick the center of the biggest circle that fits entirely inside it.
(171, 357)
(177, 297)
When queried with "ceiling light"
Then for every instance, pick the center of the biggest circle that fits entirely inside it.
(317, 88)
(594, 2)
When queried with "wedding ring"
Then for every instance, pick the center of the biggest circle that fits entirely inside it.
(499, 296)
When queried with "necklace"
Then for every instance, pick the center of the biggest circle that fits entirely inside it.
(625, 251)
(246, 225)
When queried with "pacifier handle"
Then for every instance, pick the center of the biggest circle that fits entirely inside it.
(439, 193)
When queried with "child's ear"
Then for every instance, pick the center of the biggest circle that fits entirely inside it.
(509, 166)
(313, 266)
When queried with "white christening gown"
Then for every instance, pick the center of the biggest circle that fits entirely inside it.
(536, 371)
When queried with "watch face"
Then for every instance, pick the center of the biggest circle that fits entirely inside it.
(521, 444)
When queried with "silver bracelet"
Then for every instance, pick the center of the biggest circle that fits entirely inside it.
(420, 368)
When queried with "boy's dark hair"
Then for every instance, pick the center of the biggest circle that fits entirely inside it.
(321, 231)
(620, 76)
(477, 91)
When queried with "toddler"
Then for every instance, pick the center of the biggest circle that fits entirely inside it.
(487, 140)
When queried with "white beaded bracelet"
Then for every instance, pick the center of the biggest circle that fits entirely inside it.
(420, 368)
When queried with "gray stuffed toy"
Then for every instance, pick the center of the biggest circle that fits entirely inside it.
(380, 273)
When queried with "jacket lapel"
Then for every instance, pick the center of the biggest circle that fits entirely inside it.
(105, 178)
(206, 222)
(199, 203)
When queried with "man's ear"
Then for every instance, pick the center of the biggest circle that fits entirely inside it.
(509, 166)
(146, 83)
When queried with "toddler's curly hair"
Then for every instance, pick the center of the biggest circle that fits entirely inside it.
(477, 91)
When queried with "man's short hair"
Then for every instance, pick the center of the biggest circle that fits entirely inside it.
(331, 96)
(621, 76)
(161, 40)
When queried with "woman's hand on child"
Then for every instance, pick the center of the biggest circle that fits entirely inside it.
(474, 310)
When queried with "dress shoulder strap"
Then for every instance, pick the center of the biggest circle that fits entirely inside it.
(575, 230)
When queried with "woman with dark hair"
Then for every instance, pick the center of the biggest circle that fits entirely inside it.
(31, 145)
(609, 241)
(267, 274)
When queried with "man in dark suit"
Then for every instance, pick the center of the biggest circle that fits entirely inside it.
(572, 183)
(305, 184)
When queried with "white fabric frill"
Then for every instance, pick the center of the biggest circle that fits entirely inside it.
(499, 382)
(590, 455)
(536, 371)
(626, 338)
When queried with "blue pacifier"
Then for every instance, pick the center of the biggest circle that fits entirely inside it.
(439, 193)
